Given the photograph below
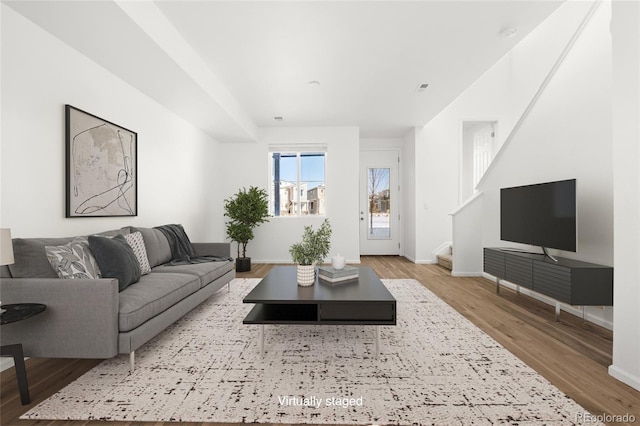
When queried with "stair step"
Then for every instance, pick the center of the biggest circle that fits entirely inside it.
(445, 260)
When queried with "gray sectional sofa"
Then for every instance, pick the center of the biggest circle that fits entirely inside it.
(90, 318)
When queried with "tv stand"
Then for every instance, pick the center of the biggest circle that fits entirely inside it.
(565, 280)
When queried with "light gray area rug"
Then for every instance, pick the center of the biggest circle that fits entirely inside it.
(435, 367)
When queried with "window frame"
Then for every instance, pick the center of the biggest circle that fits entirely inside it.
(298, 152)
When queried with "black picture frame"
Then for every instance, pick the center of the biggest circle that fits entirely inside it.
(101, 167)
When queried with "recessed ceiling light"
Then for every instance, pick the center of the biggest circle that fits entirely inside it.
(508, 32)
(314, 83)
(277, 118)
(422, 87)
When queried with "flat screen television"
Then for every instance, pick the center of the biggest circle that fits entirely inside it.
(541, 215)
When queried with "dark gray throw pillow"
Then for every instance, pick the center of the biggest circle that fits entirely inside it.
(116, 259)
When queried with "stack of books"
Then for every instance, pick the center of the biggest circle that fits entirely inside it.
(332, 275)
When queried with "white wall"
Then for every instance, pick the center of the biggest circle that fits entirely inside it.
(501, 94)
(408, 198)
(625, 29)
(245, 165)
(438, 152)
(177, 179)
(567, 135)
(467, 238)
(438, 148)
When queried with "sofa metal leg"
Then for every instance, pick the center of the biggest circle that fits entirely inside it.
(132, 361)
(229, 287)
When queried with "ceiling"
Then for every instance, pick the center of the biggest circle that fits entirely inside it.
(230, 67)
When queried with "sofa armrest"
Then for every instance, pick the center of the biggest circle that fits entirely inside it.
(81, 319)
(212, 249)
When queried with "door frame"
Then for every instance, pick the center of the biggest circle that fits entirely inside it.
(395, 146)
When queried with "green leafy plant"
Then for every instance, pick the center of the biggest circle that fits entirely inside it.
(245, 210)
(314, 246)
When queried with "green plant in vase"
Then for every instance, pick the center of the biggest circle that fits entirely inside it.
(311, 251)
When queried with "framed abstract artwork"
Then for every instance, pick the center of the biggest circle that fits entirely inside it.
(101, 167)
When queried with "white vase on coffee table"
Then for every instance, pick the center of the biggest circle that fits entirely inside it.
(306, 275)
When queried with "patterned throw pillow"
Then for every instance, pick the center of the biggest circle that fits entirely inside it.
(73, 260)
(136, 241)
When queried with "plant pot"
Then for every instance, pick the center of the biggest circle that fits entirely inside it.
(306, 275)
(243, 264)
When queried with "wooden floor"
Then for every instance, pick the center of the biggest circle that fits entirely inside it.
(571, 354)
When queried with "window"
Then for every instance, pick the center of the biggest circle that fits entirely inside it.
(297, 183)
(379, 195)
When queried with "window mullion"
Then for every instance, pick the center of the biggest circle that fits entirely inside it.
(298, 192)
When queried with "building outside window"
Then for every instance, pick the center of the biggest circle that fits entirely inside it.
(297, 183)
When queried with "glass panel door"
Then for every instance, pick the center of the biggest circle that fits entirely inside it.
(379, 212)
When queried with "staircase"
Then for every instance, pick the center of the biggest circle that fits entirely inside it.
(446, 259)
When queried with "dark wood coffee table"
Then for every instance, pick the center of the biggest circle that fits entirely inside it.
(280, 300)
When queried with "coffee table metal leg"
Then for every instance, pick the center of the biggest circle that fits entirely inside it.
(377, 341)
(261, 340)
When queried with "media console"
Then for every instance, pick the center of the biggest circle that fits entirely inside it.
(568, 281)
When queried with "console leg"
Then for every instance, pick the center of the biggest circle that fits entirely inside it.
(15, 351)
(377, 327)
(261, 340)
(132, 361)
(557, 311)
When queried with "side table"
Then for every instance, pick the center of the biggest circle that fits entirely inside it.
(14, 313)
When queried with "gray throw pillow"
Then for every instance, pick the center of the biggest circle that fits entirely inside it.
(116, 259)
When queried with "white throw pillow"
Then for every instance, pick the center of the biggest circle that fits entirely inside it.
(136, 241)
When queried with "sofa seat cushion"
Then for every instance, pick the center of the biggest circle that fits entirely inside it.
(150, 296)
(206, 272)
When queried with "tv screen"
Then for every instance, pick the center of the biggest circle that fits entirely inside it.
(541, 215)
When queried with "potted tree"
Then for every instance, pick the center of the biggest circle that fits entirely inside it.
(311, 251)
(245, 210)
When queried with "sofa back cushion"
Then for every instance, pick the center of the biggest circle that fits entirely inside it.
(30, 258)
(4, 271)
(157, 245)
